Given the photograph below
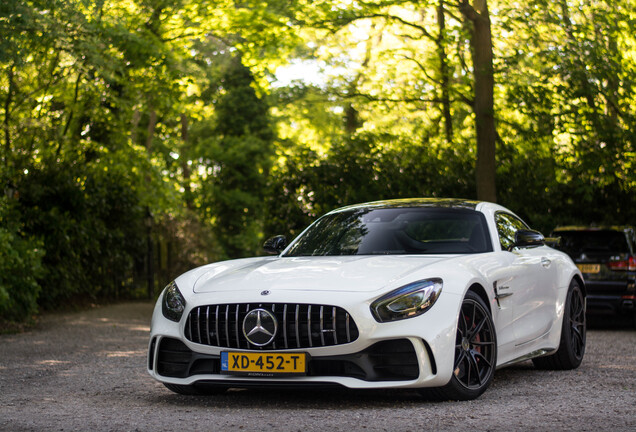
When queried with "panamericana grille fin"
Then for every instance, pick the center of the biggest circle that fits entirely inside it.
(299, 325)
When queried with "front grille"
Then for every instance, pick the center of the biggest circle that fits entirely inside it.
(299, 326)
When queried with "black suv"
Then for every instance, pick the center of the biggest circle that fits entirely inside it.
(607, 258)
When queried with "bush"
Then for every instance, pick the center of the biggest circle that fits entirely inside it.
(20, 268)
(92, 225)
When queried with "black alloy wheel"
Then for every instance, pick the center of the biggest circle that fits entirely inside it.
(577, 325)
(475, 345)
(475, 353)
(573, 334)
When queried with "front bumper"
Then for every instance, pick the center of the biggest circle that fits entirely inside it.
(416, 352)
(392, 360)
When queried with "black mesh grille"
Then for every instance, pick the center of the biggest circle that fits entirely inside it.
(299, 325)
(175, 359)
(392, 360)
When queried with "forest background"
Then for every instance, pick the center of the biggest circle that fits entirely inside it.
(141, 138)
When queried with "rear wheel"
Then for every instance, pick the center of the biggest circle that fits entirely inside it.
(573, 333)
(475, 353)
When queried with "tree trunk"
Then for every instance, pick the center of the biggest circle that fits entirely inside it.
(67, 127)
(134, 124)
(150, 258)
(7, 117)
(481, 49)
(352, 120)
(184, 164)
(443, 70)
(152, 124)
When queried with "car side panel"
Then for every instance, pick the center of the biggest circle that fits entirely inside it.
(535, 287)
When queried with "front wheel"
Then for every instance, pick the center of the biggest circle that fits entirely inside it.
(475, 353)
(572, 343)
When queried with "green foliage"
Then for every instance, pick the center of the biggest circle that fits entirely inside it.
(145, 137)
(90, 223)
(359, 170)
(238, 149)
(20, 267)
(574, 111)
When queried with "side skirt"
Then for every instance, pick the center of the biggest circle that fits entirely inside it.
(533, 354)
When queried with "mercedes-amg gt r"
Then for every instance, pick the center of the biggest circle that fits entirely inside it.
(431, 294)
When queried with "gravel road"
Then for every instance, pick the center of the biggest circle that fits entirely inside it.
(86, 371)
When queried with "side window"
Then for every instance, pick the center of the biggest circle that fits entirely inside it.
(507, 226)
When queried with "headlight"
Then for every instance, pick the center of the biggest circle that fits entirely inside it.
(173, 303)
(408, 301)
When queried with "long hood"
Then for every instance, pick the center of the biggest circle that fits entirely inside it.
(351, 273)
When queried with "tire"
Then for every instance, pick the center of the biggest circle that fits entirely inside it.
(573, 334)
(475, 351)
(192, 390)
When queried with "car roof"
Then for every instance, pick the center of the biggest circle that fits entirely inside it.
(455, 203)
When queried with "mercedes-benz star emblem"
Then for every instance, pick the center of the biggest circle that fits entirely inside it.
(259, 327)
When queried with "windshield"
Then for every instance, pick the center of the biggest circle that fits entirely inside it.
(395, 231)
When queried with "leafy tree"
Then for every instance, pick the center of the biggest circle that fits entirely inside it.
(573, 107)
(147, 136)
(237, 149)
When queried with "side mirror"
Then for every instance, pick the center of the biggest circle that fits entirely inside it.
(275, 245)
(528, 238)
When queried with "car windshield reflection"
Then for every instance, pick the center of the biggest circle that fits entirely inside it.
(395, 231)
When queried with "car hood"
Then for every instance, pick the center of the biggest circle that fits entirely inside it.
(350, 273)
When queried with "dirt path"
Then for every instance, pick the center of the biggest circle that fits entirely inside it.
(86, 371)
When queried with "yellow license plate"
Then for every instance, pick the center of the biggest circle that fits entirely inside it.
(589, 268)
(263, 364)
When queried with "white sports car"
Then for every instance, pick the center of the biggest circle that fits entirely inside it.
(432, 294)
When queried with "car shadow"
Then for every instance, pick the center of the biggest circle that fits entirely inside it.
(332, 398)
(313, 399)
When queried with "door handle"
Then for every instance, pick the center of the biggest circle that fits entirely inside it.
(545, 262)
